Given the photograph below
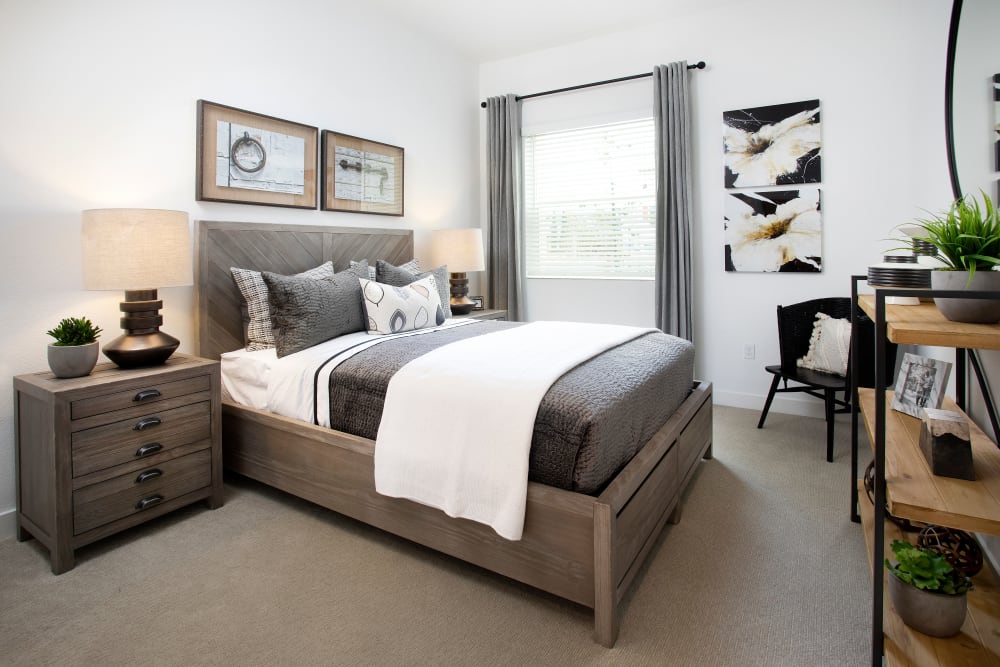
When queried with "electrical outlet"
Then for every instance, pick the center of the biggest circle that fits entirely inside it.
(749, 351)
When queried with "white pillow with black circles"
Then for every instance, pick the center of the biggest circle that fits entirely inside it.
(392, 309)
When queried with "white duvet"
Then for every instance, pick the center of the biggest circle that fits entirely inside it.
(457, 423)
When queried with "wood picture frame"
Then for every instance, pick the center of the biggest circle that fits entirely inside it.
(250, 158)
(361, 176)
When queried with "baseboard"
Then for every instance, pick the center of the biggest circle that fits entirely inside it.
(801, 406)
(8, 524)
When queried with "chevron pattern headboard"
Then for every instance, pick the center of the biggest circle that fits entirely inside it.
(269, 247)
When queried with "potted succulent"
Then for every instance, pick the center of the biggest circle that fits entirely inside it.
(926, 591)
(74, 353)
(967, 240)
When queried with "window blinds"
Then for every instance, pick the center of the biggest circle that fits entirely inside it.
(590, 202)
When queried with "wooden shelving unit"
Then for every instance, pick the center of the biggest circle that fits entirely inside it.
(913, 492)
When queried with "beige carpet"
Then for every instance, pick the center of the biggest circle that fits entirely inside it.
(765, 568)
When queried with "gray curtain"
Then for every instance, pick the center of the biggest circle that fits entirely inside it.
(673, 199)
(503, 154)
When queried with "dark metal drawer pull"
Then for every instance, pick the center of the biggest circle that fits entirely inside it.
(148, 475)
(148, 502)
(146, 422)
(146, 394)
(146, 450)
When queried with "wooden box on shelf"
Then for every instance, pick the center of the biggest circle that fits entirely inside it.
(105, 452)
(945, 443)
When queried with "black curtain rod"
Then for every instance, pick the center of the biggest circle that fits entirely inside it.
(698, 65)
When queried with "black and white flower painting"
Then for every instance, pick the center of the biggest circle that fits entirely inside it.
(773, 145)
(779, 230)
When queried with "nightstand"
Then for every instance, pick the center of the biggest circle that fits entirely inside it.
(485, 314)
(105, 452)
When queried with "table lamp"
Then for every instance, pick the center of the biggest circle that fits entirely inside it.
(462, 251)
(137, 250)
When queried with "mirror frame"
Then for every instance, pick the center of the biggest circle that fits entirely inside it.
(949, 89)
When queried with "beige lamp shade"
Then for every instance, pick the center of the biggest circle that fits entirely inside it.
(135, 248)
(460, 249)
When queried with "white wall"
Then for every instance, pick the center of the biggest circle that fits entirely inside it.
(98, 110)
(878, 70)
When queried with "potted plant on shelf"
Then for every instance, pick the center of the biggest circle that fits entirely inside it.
(967, 240)
(926, 591)
(74, 353)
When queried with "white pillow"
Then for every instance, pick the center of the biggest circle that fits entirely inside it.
(829, 346)
(393, 309)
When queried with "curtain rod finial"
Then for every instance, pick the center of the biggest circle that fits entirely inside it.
(699, 65)
(482, 104)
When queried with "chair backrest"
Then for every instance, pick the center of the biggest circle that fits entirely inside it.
(795, 326)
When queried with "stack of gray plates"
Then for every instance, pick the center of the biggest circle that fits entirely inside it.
(900, 271)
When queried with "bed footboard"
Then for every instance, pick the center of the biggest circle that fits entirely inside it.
(630, 514)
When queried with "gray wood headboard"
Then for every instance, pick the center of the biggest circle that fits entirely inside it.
(268, 247)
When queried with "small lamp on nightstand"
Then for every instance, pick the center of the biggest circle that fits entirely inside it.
(137, 250)
(462, 251)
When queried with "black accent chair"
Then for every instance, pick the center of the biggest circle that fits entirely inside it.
(795, 326)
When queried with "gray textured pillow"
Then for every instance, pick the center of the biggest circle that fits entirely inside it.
(307, 312)
(259, 334)
(398, 276)
(413, 265)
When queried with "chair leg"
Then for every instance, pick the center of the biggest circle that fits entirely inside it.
(829, 400)
(767, 403)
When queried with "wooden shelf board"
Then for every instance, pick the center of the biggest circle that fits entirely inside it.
(979, 641)
(916, 493)
(925, 325)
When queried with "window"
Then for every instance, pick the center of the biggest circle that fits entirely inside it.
(590, 202)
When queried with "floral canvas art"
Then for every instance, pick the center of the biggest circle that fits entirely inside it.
(778, 230)
(773, 145)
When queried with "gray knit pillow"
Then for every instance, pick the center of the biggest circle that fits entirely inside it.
(399, 277)
(413, 265)
(307, 312)
(259, 333)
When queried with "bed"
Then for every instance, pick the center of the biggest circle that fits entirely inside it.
(584, 548)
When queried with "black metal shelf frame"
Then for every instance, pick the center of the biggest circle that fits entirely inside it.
(881, 340)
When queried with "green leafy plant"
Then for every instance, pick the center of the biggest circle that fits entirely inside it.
(926, 569)
(966, 236)
(74, 331)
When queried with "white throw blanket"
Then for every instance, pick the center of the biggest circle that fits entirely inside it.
(457, 423)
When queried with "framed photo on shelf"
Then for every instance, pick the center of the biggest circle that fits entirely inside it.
(920, 384)
(478, 300)
(250, 158)
(360, 175)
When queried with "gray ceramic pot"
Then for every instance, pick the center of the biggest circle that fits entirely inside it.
(934, 614)
(968, 310)
(72, 361)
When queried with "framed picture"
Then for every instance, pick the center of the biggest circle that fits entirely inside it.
(478, 300)
(920, 384)
(249, 158)
(773, 145)
(361, 176)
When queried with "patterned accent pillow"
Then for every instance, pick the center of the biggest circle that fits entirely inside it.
(392, 309)
(398, 276)
(413, 266)
(307, 312)
(259, 332)
(829, 346)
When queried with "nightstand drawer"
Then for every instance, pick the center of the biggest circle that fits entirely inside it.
(131, 439)
(138, 393)
(118, 497)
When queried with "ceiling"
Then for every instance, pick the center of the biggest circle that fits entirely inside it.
(486, 31)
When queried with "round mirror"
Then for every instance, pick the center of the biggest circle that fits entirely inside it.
(974, 123)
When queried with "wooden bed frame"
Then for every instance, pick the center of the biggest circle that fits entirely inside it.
(582, 548)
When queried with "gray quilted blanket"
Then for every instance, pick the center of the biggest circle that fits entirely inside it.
(589, 424)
